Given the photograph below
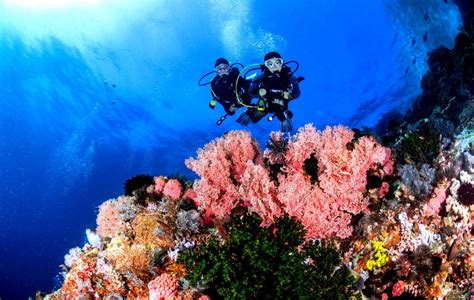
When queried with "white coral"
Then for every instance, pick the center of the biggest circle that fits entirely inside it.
(73, 255)
(93, 238)
(411, 239)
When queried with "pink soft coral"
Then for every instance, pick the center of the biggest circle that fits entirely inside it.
(173, 189)
(258, 193)
(309, 204)
(232, 174)
(326, 208)
(383, 190)
(221, 164)
(164, 286)
(160, 183)
(434, 204)
(109, 219)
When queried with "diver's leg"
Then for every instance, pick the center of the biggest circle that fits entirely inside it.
(256, 115)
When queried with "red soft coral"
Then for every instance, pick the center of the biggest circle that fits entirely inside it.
(315, 209)
(221, 164)
(232, 174)
(259, 193)
(398, 288)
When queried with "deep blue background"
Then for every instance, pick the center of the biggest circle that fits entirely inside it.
(69, 139)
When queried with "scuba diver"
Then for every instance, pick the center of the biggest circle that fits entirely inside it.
(224, 91)
(275, 89)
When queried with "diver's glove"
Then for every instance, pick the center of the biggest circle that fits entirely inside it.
(288, 114)
(212, 104)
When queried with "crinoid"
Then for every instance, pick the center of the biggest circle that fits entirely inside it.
(276, 148)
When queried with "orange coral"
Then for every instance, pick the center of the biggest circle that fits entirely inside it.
(80, 280)
(392, 236)
(147, 226)
(176, 269)
(136, 259)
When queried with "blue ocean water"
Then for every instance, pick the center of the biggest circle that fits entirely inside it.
(93, 92)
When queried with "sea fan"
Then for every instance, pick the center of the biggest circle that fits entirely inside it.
(137, 182)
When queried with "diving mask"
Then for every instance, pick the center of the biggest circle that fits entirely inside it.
(222, 69)
(274, 63)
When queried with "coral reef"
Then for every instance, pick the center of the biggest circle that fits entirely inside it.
(309, 204)
(289, 216)
(318, 214)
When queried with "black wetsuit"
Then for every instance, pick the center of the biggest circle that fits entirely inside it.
(276, 84)
(223, 90)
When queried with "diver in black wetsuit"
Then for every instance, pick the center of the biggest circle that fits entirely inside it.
(223, 88)
(277, 87)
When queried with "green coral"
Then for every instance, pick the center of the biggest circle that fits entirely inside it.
(421, 145)
(380, 255)
(268, 263)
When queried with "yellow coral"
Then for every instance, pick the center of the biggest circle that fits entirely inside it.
(380, 254)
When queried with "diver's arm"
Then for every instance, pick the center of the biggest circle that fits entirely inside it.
(295, 88)
(213, 91)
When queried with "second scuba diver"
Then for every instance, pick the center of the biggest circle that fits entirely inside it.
(223, 89)
(277, 87)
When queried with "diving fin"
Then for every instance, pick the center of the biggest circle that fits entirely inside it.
(244, 118)
(286, 125)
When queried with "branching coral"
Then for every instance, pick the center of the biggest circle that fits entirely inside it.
(458, 217)
(325, 209)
